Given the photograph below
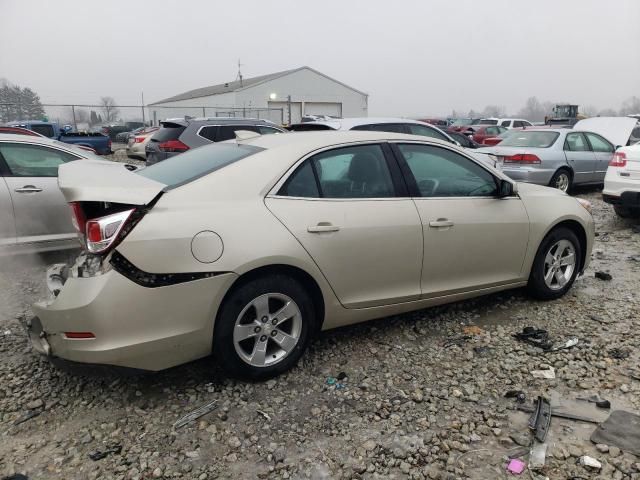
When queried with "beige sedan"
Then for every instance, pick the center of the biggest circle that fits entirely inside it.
(246, 249)
(137, 143)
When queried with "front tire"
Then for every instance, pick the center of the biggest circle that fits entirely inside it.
(556, 265)
(263, 327)
(562, 180)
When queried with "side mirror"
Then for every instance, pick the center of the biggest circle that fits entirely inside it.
(506, 188)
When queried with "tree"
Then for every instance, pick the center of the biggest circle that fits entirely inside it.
(473, 113)
(109, 108)
(493, 111)
(607, 112)
(630, 105)
(589, 111)
(19, 103)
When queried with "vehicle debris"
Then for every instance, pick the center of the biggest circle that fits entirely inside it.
(519, 395)
(622, 430)
(264, 414)
(197, 413)
(619, 353)
(541, 419)
(588, 461)
(537, 337)
(538, 455)
(572, 342)
(600, 403)
(100, 454)
(554, 413)
(603, 276)
(516, 466)
(549, 374)
(459, 340)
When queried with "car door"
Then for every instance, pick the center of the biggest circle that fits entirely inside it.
(603, 151)
(472, 238)
(347, 208)
(40, 210)
(7, 222)
(580, 157)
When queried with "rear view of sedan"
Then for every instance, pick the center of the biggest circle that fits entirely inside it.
(246, 249)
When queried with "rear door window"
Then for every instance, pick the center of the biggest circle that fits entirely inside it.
(46, 130)
(417, 129)
(267, 130)
(209, 132)
(576, 142)
(33, 160)
(599, 144)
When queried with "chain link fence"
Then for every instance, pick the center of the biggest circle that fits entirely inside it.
(91, 117)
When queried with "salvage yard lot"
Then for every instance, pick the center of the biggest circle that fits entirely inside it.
(423, 396)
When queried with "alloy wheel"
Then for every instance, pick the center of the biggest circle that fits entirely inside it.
(267, 329)
(559, 264)
(562, 182)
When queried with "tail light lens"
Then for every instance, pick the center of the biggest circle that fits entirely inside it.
(527, 158)
(138, 139)
(173, 146)
(78, 218)
(619, 160)
(102, 232)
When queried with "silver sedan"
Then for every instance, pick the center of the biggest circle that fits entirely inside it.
(559, 157)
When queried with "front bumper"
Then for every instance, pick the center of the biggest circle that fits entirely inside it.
(134, 326)
(539, 176)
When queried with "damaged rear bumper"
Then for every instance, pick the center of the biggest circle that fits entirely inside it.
(132, 326)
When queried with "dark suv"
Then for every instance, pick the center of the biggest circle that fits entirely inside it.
(179, 135)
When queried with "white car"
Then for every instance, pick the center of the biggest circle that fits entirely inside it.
(622, 182)
(514, 123)
(137, 143)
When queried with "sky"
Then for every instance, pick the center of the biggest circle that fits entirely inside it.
(413, 57)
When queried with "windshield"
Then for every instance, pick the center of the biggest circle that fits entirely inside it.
(188, 166)
(529, 138)
(486, 121)
(461, 122)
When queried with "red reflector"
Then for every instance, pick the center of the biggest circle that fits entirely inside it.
(138, 139)
(93, 231)
(78, 219)
(79, 335)
(173, 146)
(522, 158)
(619, 160)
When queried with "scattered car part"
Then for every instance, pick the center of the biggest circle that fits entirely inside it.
(459, 340)
(100, 454)
(568, 416)
(572, 342)
(622, 430)
(595, 399)
(588, 461)
(537, 337)
(197, 413)
(519, 395)
(538, 456)
(603, 276)
(541, 419)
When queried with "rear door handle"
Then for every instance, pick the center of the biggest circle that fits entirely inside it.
(28, 189)
(323, 227)
(441, 223)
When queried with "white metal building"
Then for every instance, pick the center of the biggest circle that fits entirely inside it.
(311, 93)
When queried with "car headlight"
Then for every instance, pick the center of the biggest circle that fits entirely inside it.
(586, 204)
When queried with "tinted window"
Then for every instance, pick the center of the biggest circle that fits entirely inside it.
(488, 122)
(228, 132)
(417, 129)
(46, 130)
(168, 131)
(507, 122)
(518, 124)
(492, 131)
(32, 160)
(382, 127)
(301, 184)
(209, 132)
(188, 166)
(576, 142)
(528, 138)
(267, 130)
(598, 143)
(439, 172)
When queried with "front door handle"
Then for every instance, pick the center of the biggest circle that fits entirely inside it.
(441, 223)
(322, 227)
(28, 189)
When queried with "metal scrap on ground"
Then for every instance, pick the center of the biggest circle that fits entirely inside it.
(197, 413)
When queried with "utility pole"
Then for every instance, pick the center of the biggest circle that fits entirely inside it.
(73, 112)
(143, 122)
(289, 108)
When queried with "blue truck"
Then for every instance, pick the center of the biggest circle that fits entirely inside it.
(99, 142)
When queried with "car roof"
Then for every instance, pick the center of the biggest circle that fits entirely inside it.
(9, 137)
(349, 123)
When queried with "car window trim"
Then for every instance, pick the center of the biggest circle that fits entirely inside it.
(410, 179)
(6, 172)
(401, 190)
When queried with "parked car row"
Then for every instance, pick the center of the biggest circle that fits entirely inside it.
(94, 141)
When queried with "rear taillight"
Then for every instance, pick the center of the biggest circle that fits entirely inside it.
(528, 158)
(101, 233)
(619, 160)
(78, 218)
(173, 146)
(138, 139)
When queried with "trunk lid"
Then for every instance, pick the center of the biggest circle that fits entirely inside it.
(104, 181)
(615, 129)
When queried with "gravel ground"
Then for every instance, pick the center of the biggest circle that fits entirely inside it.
(422, 394)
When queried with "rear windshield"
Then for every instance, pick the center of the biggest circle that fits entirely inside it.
(46, 130)
(461, 122)
(188, 166)
(308, 127)
(169, 131)
(487, 122)
(529, 138)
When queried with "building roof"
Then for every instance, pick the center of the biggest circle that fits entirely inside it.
(236, 85)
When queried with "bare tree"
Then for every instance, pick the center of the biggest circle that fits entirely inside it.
(589, 111)
(110, 109)
(630, 105)
(493, 111)
(607, 112)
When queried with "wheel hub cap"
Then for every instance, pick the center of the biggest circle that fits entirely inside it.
(559, 264)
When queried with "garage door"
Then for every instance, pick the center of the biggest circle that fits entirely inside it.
(323, 108)
(296, 111)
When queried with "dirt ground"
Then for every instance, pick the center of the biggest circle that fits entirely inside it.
(417, 396)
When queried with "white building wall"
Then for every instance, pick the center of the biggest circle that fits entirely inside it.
(305, 86)
(194, 107)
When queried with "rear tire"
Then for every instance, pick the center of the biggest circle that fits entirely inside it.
(556, 265)
(626, 212)
(562, 180)
(255, 338)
